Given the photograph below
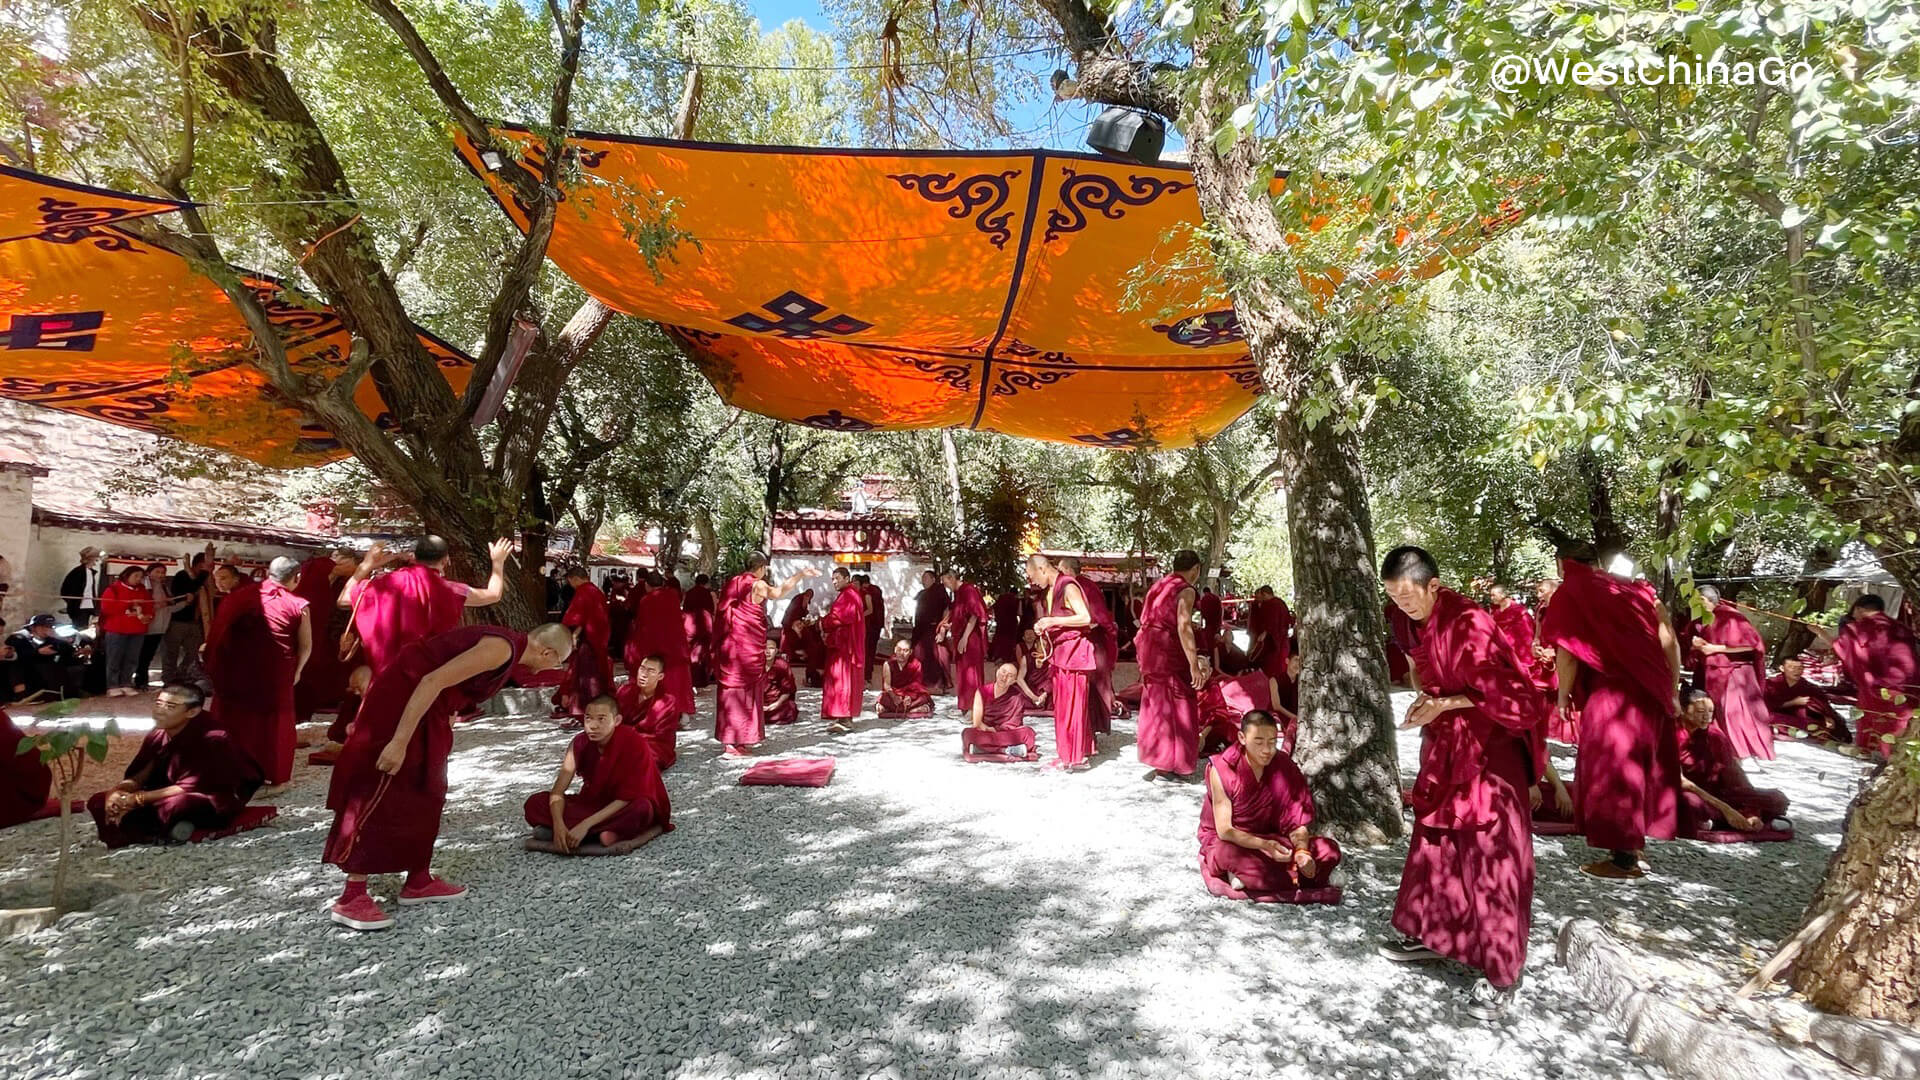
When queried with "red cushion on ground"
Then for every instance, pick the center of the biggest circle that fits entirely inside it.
(1555, 828)
(790, 772)
(250, 818)
(1331, 894)
(1735, 836)
(52, 809)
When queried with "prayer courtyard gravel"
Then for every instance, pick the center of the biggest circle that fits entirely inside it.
(920, 917)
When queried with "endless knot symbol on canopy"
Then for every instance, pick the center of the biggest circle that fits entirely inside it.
(985, 191)
(1091, 191)
(63, 222)
(1119, 439)
(835, 420)
(796, 316)
(1203, 331)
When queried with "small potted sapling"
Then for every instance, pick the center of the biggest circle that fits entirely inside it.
(66, 751)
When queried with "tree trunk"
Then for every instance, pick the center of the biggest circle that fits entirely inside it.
(1866, 963)
(951, 455)
(1217, 536)
(1811, 597)
(1610, 538)
(776, 478)
(709, 543)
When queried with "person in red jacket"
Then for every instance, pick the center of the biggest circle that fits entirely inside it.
(126, 608)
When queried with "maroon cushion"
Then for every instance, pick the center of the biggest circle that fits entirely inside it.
(250, 818)
(1330, 894)
(51, 808)
(1554, 828)
(1735, 836)
(790, 772)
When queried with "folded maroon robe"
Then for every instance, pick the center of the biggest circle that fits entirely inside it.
(404, 605)
(1227, 699)
(324, 680)
(24, 780)
(906, 694)
(780, 685)
(387, 824)
(218, 777)
(790, 772)
(250, 654)
(969, 662)
(1629, 764)
(740, 655)
(590, 668)
(1270, 805)
(654, 717)
(1881, 660)
(1169, 725)
(1734, 682)
(623, 769)
(844, 631)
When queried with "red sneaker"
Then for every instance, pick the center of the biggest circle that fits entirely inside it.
(733, 751)
(433, 892)
(361, 913)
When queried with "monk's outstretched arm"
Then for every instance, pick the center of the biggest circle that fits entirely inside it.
(376, 557)
(483, 657)
(1223, 822)
(1733, 817)
(496, 589)
(785, 587)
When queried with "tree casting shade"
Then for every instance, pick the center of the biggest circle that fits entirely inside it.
(95, 321)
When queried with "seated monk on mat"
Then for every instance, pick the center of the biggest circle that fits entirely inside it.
(1227, 698)
(1036, 672)
(1714, 791)
(186, 776)
(1800, 709)
(901, 691)
(645, 707)
(621, 795)
(777, 700)
(999, 717)
(1254, 819)
(1549, 796)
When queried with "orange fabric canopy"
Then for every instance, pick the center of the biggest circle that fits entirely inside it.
(96, 322)
(863, 290)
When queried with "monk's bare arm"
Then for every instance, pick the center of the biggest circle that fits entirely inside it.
(1223, 820)
(496, 589)
(485, 656)
(1566, 667)
(1184, 620)
(979, 709)
(1080, 614)
(1273, 698)
(772, 592)
(886, 678)
(303, 648)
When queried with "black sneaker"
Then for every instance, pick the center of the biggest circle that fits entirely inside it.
(1487, 1001)
(1407, 950)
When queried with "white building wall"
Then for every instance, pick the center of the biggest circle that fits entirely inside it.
(16, 541)
(56, 550)
(898, 578)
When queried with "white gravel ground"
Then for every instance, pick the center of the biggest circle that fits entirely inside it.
(919, 917)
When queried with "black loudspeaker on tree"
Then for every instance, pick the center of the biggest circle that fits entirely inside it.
(1127, 133)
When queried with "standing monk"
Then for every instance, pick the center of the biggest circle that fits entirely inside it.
(324, 682)
(1270, 622)
(876, 620)
(844, 630)
(1207, 638)
(261, 637)
(658, 630)
(1730, 661)
(1881, 659)
(1467, 891)
(590, 668)
(414, 601)
(967, 632)
(740, 650)
(1618, 662)
(1070, 657)
(698, 607)
(1172, 670)
(1516, 626)
(390, 784)
(929, 608)
(1006, 628)
(1105, 635)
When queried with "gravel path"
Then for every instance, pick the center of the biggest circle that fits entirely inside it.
(919, 917)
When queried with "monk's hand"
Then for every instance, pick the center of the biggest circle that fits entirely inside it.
(1533, 796)
(575, 837)
(499, 550)
(1799, 702)
(1562, 801)
(1198, 669)
(1425, 711)
(1303, 863)
(1742, 822)
(392, 756)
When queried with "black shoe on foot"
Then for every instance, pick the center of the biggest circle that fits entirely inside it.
(1489, 1002)
(1407, 950)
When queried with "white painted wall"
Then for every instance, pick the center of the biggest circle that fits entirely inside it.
(16, 541)
(56, 550)
(898, 578)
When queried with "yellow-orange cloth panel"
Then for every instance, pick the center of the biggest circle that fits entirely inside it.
(874, 289)
(96, 322)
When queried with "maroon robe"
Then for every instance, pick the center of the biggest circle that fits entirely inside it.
(1227, 699)
(622, 769)
(780, 684)
(590, 667)
(1071, 657)
(844, 631)
(1271, 806)
(250, 653)
(1817, 717)
(323, 683)
(1517, 627)
(218, 777)
(928, 609)
(1276, 619)
(791, 645)
(1105, 634)
(968, 663)
(1708, 758)
(1207, 634)
(905, 694)
(24, 779)
(404, 605)
(658, 631)
(1880, 659)
(1037, 673)
(740, 634)
(1734, 683)
(1467, 890)
(1629, 765)
(1006, 628)
(697, 606)
(653, 717)
(1400, 631)
(387, 824)
(1005, 720)
(1169, 726)
(876, 622)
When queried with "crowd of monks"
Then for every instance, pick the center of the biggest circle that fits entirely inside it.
(1660, 717)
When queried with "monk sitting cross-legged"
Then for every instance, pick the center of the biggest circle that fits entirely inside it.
(621, 796)
(998, 721)
(777, 706)
(1254, 820)
(901, 691)
(186, 776)
(645, 707)
(1714, 789)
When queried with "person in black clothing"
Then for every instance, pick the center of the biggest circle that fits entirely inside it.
(81, 589)
(180, 647)
(43, 662)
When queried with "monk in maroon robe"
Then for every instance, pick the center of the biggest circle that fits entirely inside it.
(1730, 663)
(1880, 658)
(1271, 623)
(876, 609)
(1172, 671)
(187, 775)
(778, 706)
(658, 631)
(645, 708)
(261, 637)
(929, 611)
(621, 795)
(698, 607)
(390, 784)
(413, 600)
(1065, 629)
(799, 610)
(997, 720)
(1207, 634)
(1467, 890)
(1226, 699)
(1798, 705)
(1518, 628)
(844, 631)
(966, 637)
(1618, 662)
(324, 682)
(349, 707)
(1255, 817)
(1715, 789)
(1036, 673)
(902, 691)
(24, 779)
(1105, 635)
(1006, 628)
(741, 652)
(590, 668)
